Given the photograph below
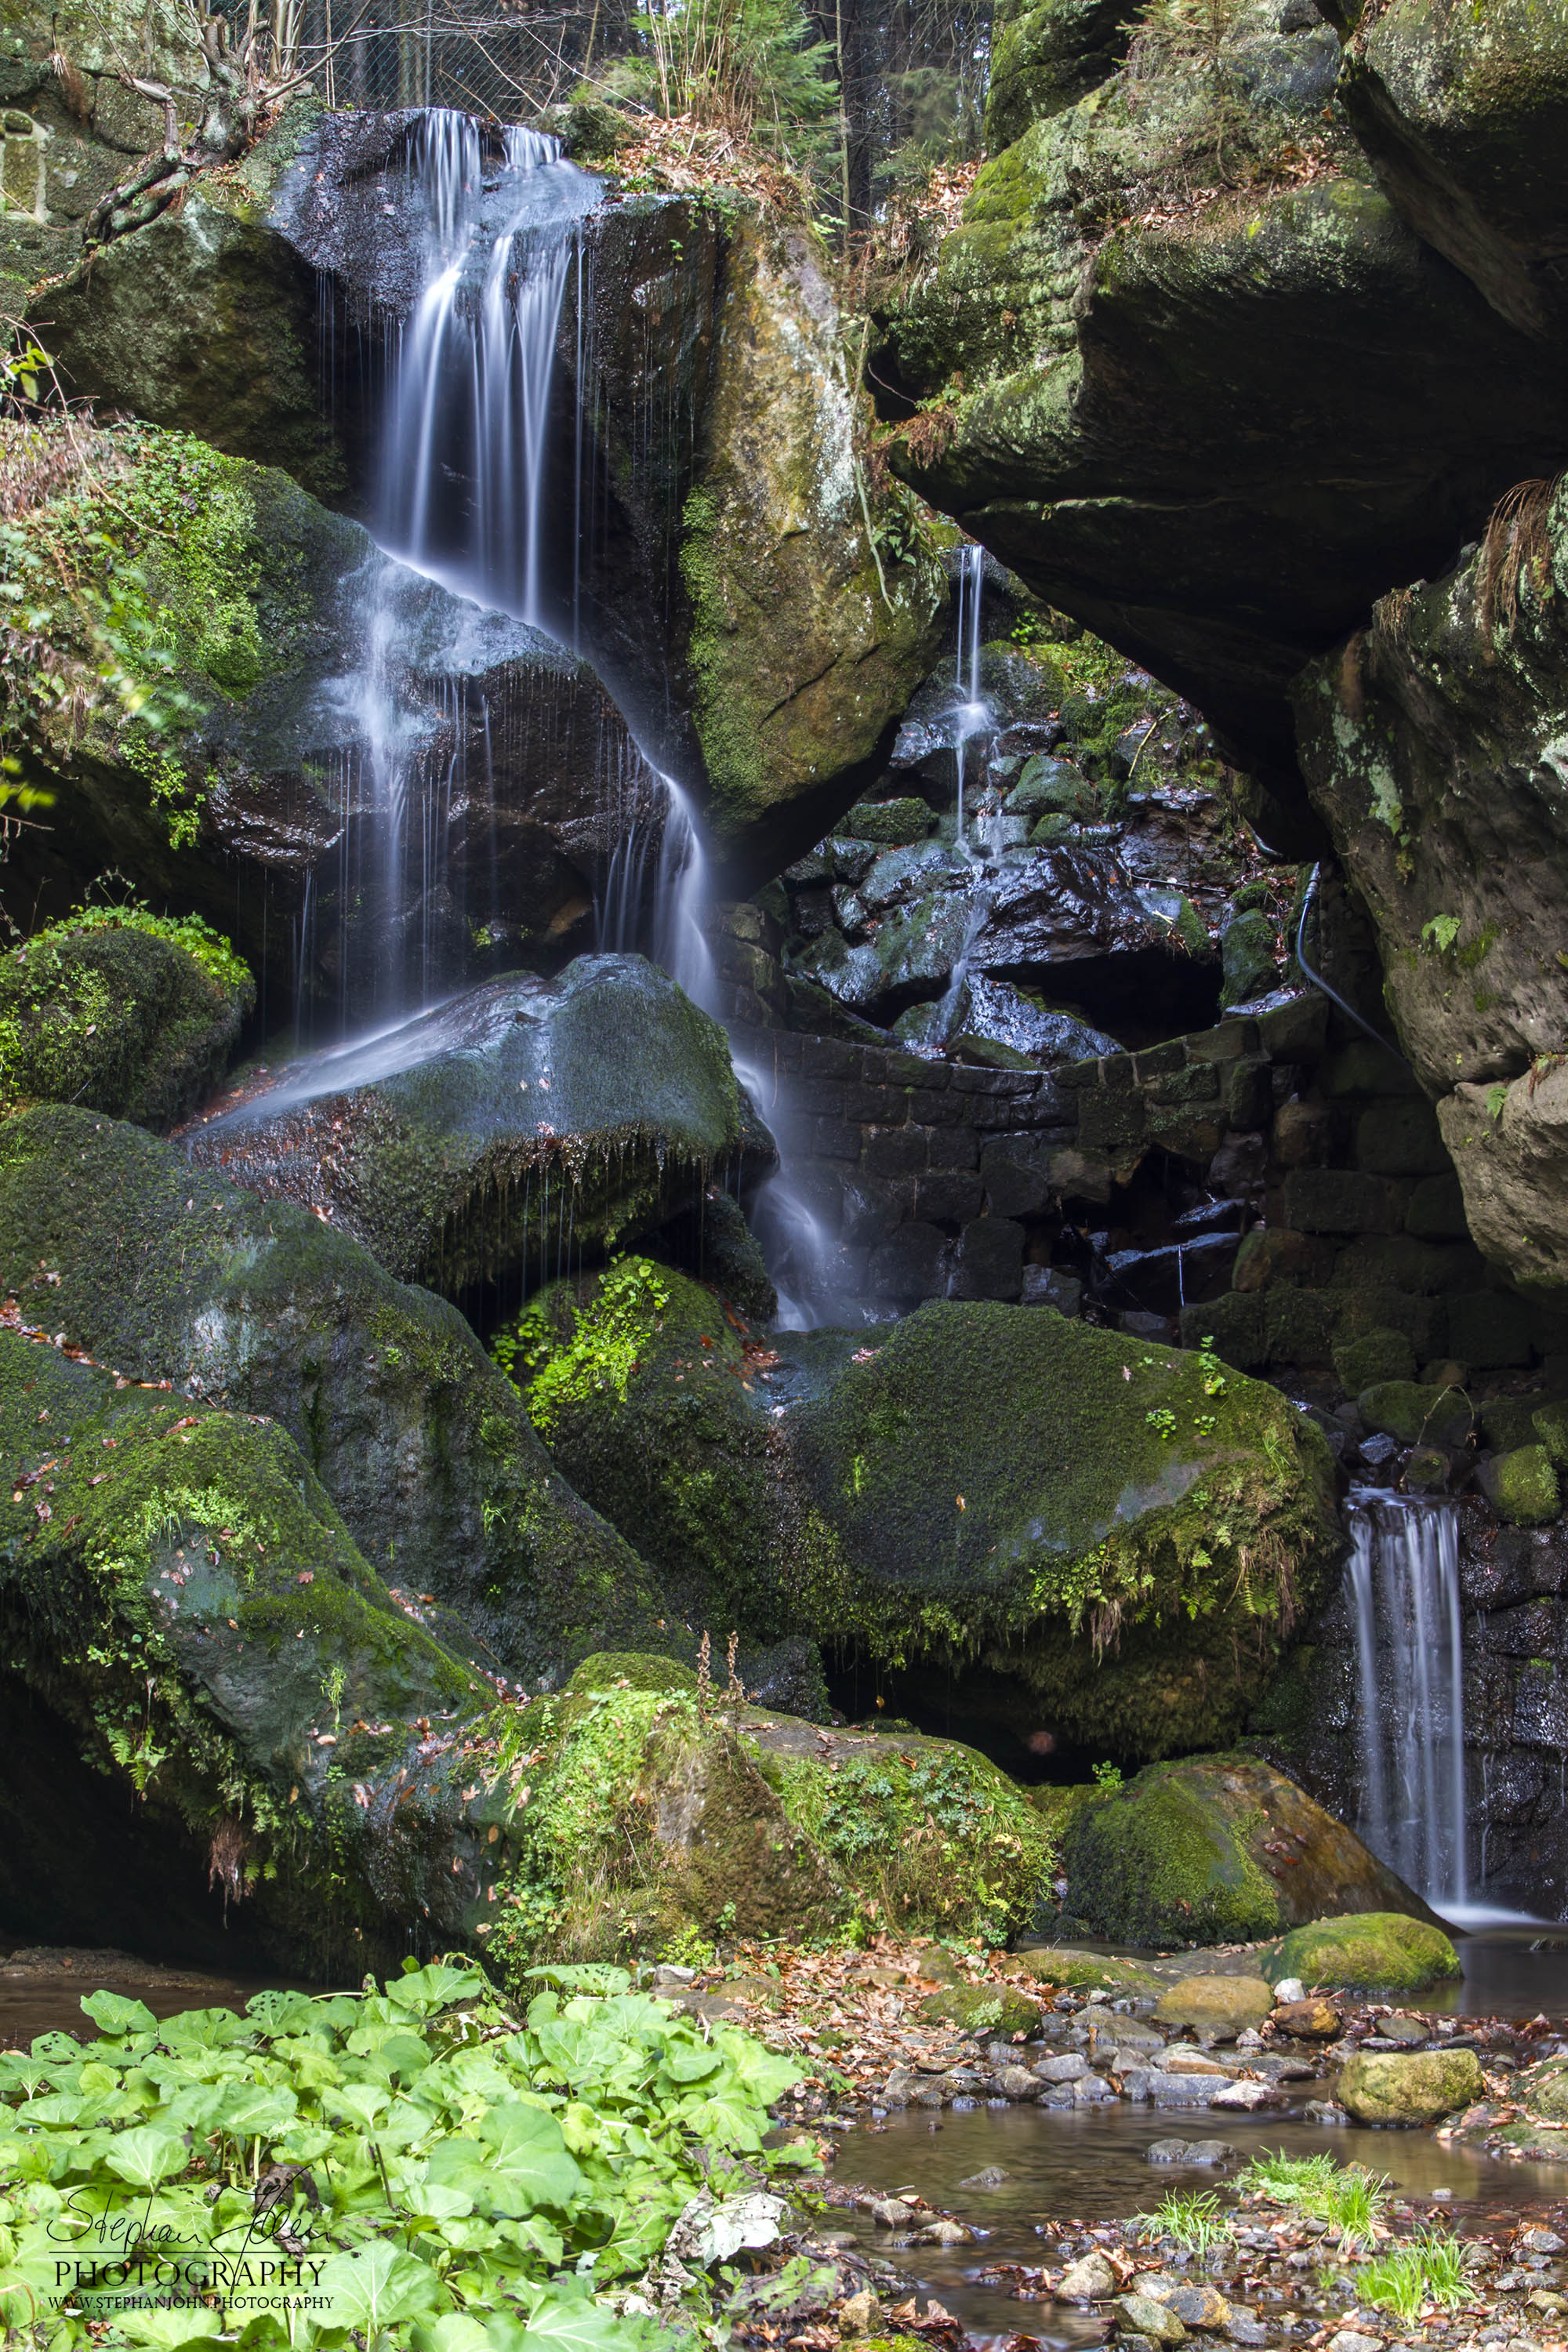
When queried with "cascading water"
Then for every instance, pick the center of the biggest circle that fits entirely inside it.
(971, 714)
(1403, 1585)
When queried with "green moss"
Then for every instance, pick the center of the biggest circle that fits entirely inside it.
(1522, 1486)
(607, 1669)
(124, 1011)
(1167, 1859)
(1374, 1950)
(568, 1352)
(1075, 1971)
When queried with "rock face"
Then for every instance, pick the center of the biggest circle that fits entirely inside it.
(1216, 1849)
(1429, 744)
(166, 1272)
(228, 1736)
(1189, 278)
(1087, 1549)
(789, 652)
(416, 817)
(1381, 2088)
(462, 1146)
(136, 1017)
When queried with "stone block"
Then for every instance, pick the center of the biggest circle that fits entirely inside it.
(1401, 1139)
(894, 1151)
(1106, 1119)
(948, 1196)
(1076, 1077)
(835, 1138)
(872, 1206)
(872, 1106)
(1196, 1082)
(1378, 1307)
(1226, 1043)
(1303, 1133)
(1185, 1132)
(952, 1147)
(1406, 1264)
(830, 1057)
(1490, 1329)
(1117, 1073)
(1016, 1171)
(1082, 1175)
(1159, 1061)
(937, 1106)
(1436, 1211)
(1298, 1326)
(989, 1260)
(1247, 1096)
(1235, 1323)
(1384, 1355)
(908, 1070)
(1343, 1201)
(1052, 1286)
(1278, 1253)
(1236, 1169)
(910, 1263)
(1297, 1031)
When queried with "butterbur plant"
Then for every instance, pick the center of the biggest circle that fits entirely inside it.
(412, 2166)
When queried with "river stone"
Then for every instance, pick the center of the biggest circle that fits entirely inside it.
(119, 1019)
(1150, 2318)
(1198, 2305)
(1216, 1849)
(1387, 1951)
(1414, 1413)
(1414, 2086)
(1069, 2067)
(980, 2008)
(1223, 2006)
(1309, 2021)
(459, 1145)
(1089, 2280)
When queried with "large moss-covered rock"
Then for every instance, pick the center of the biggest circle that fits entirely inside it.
(1390, 1951)
(1427, 743)
(225, 1732)
(461, 1144)
(1217, 1849)
(1189, 278)
(1119, 1535)
(130, 1014)
(218, 598)
(166, 1272)
(806, 640)
(643, 1809)
(1412, 2087)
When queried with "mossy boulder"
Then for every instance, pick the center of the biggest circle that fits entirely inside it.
(1122, 1547)
(133, 1014)
(1416, 1413)
(1418, 2086)
(1220, 2006)
(1217, 1849)
(1077, 1971)
(1384, 1951)
(1374, 1359)
(236, 1741)
(194, 723)
(641, 1814)
(166, 1272)
(1248, 957)
(1522, 1486)
(612, 1670)
(982, 2008)
(454, 1146)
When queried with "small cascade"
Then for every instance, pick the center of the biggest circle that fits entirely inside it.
(1403, 1587)
(972, 713)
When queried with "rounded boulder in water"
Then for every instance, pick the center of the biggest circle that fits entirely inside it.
(1414, 2087)
(1382, 1951)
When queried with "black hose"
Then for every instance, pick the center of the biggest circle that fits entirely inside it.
(1333, 993)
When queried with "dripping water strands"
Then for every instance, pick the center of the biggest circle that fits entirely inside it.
(461, 500)
(1403, 1588)
(971, 714)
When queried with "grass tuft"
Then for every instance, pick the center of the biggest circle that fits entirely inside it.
(1349, 2199)
(1427, 2268)
(1193, 2219)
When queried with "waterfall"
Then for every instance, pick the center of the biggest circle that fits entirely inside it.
(1403, 1588)
(471, 371)
(972, 713)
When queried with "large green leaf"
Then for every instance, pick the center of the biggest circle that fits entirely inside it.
(149, 2154)
(112, 2013)
(373, 2289)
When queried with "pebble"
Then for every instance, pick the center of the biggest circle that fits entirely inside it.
(1189, 2151)
(1089, 2280)
(1540, 2242)
(1247, 2095)
(1349, 2339)
(1069, 2068)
